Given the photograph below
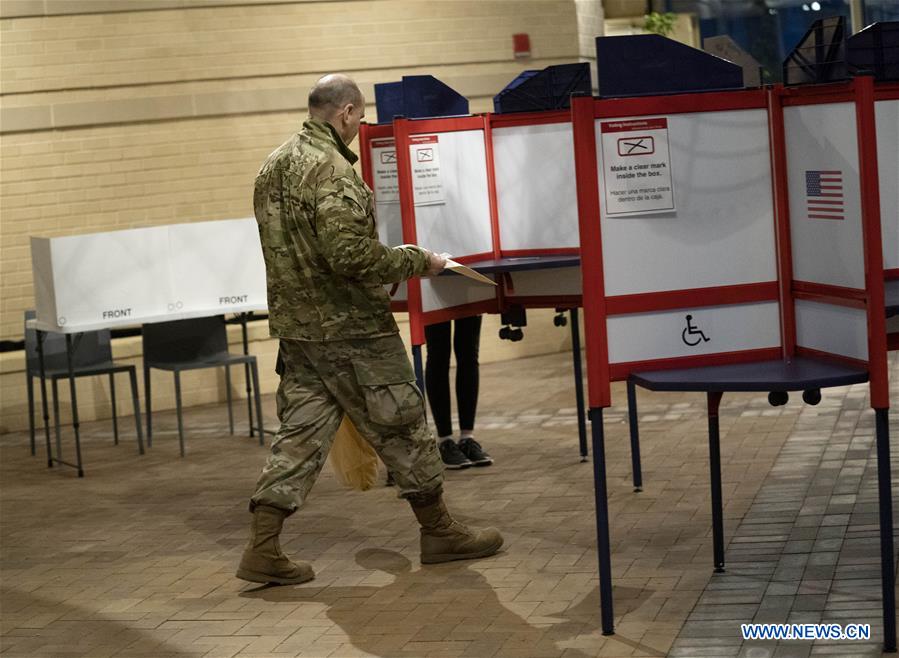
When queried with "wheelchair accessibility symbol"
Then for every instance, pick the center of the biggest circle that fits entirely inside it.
(690, 332)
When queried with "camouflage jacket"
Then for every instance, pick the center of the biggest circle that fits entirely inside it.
(325, 267)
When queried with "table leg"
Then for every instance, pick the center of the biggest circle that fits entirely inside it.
(636, 466)
(419, 373)
(44, 405)
(603, 546)
(246, 370)
(887, 566)
(578, 383)
(74, 399)
(714, 400)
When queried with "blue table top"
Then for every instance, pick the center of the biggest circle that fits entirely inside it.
(524, 263)
(891, 290)
(800, 374)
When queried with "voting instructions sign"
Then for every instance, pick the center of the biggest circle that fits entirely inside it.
(636, 167)
(427, 185)
(383, 158)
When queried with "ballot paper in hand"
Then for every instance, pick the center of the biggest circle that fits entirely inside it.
(459, 268)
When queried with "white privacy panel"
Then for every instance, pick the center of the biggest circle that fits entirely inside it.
(722, 231)
(390, 223)
(102, 279)
(834, 329)
(540, 283)
(217, 267)
(887, 119)
(401, 294)
(825, 201)
(693, 332)
(390, 232)
(452, 290)
(535, 186)
(460, 224)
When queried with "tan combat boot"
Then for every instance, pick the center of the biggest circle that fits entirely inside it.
(263, 561)
(444, 539)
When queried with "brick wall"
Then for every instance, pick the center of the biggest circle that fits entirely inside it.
(118, 114)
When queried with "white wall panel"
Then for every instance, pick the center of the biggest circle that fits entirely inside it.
(823, 138)
(662, 335)
(102, 279)
(390, 232)
(722, 232)
(535, 186)
(833, 329)
(452, 290)
(461, 225)
(887, 118)
(217, 267)
(539, 283)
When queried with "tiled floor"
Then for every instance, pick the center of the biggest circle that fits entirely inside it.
(137, 558)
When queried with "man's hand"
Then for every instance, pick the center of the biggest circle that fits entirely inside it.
(436, 263)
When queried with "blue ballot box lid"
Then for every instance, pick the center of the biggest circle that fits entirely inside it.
(549, 89)
(820, 56)
(649, 64)
(875, 51)
(417, 97)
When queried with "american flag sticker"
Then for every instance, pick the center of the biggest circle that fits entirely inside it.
(824, 194)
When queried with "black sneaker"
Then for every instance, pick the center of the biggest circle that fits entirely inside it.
(452, 457)
(475, 453)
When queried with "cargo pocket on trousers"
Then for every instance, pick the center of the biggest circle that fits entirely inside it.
(391, 396)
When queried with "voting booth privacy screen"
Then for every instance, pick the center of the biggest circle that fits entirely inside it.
(730, 227)
(481, 188)
(97, 280)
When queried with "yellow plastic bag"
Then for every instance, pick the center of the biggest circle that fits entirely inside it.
(354, 461)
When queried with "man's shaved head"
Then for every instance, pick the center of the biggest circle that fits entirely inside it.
(332, 93)
(337, 100)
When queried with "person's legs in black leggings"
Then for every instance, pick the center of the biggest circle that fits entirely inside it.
(437, 337)
(466, 344)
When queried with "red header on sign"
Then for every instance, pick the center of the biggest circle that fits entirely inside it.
(637, 124)
(381, 143)
(423, 139)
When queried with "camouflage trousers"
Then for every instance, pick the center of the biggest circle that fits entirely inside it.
(372, 381)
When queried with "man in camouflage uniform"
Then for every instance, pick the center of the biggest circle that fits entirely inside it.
(340, 350)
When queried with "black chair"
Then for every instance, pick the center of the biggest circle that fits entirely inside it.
(92, 355)
(190, 345)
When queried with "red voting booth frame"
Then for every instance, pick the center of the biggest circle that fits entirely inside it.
(402, 130)
(598, 307)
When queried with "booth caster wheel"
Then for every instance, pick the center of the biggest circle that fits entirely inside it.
(778, 398)
(812, 396)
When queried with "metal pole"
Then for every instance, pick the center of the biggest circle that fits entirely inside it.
(603, 545)
(714, 399)
(579, 384)
(636, 467)
(887, 566)
(74, 400)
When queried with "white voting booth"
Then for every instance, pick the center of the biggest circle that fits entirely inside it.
(717, 244)
(887, 118)
(135, 276)
(886, 109)
(752, 261)
(378, 154)
(481, 188)
(496, 192)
